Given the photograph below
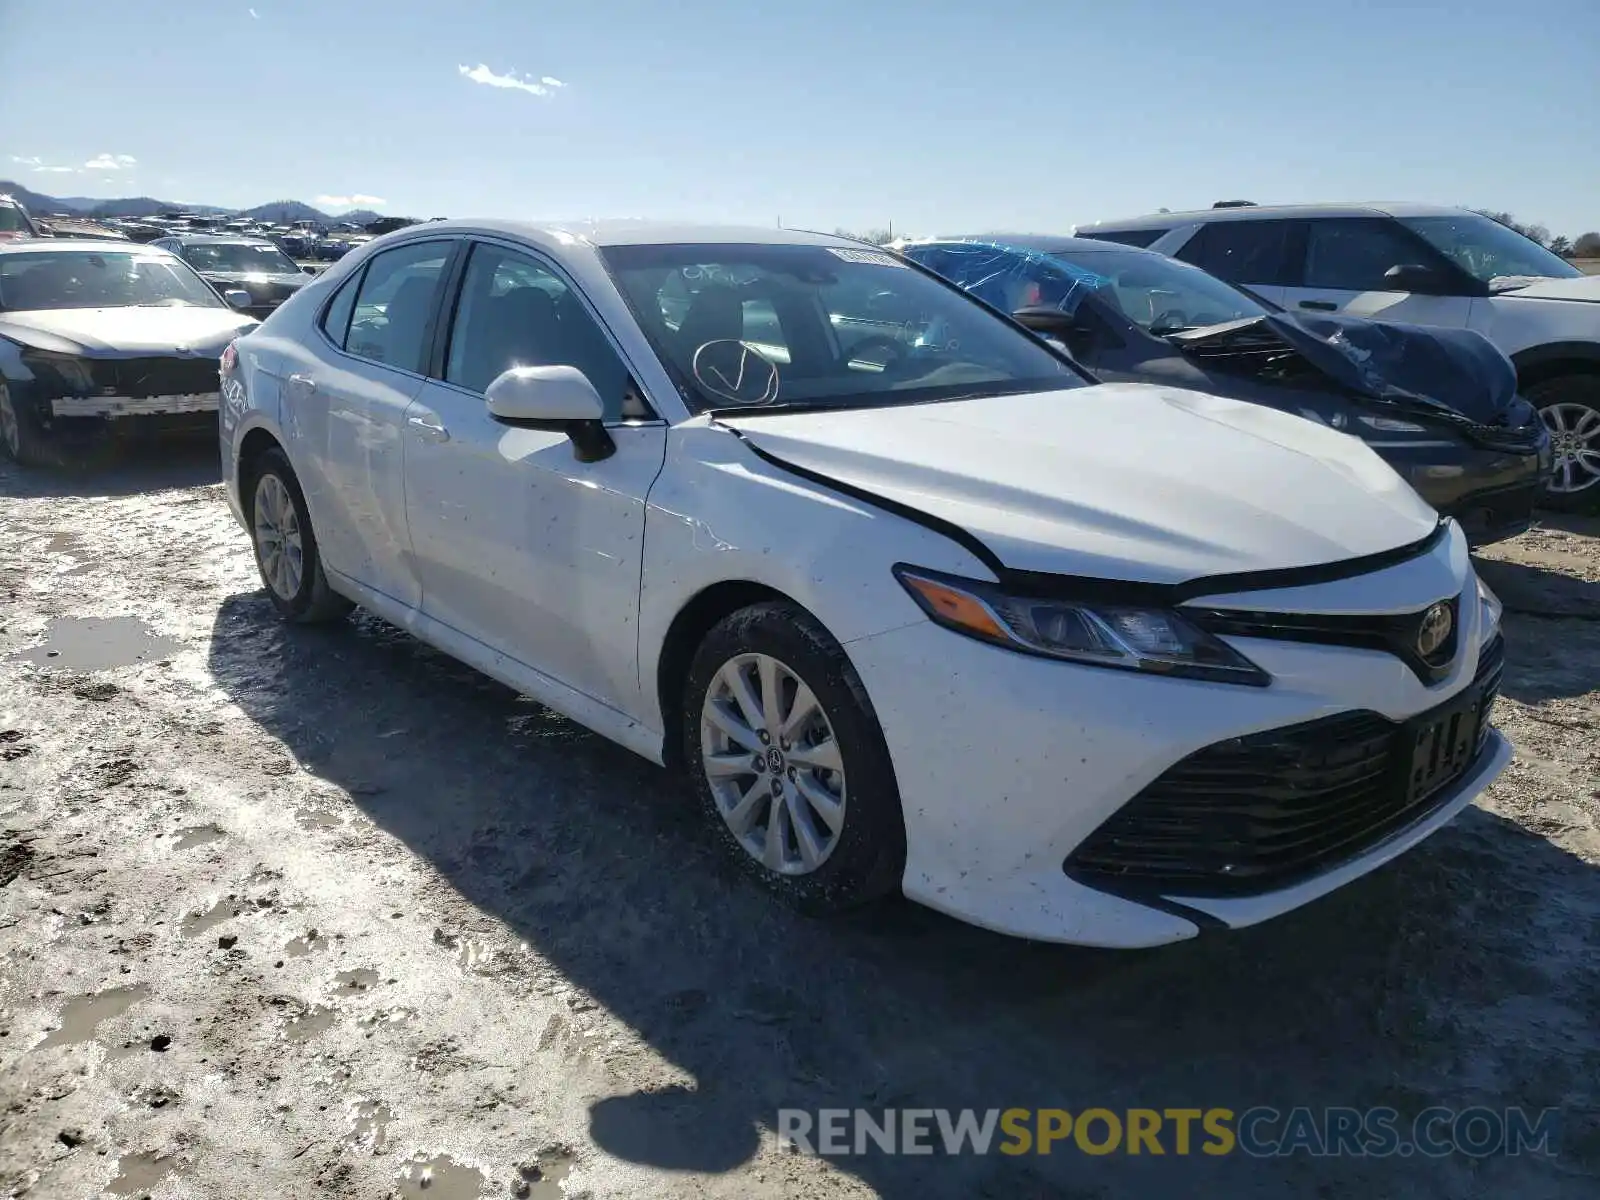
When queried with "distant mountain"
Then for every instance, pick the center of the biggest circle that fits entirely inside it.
(32, 201)
(278, 212)
(287, 212)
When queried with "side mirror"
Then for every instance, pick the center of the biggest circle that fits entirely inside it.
(1413, 277)
(309, 269)
(236, 298)
(1053, 321)
(558, 398)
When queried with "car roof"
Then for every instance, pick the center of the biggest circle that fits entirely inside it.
(626, 233)
(1259, 212)
(217, 239)
(1042, 243)
(86, 245)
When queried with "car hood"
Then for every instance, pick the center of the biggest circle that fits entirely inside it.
(1118, 481)
(126, 332)
(1585, 287)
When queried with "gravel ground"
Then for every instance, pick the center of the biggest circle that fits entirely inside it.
(323, 911)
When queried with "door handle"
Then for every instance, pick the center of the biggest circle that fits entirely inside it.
(1320, 305)
(431, 430)
(304, 382)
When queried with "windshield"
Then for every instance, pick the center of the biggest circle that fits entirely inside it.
(1487, 250)
(99, 279)
(240, 258)
(12, 220)
(802, 326)
(1162, 295)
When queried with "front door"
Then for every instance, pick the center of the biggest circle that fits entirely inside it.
(1346, 260)
(518, 544)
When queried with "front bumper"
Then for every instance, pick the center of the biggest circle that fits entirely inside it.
(131, 406)
(1006, 764)
(1490, 493)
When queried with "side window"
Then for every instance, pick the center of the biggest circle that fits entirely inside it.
(394, 306)
(336, 319)
(515, 312)
(1242, 251)
(1352, 255)
(1142, 238)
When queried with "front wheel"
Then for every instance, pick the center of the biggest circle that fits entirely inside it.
(25, 440)
(286, 547)
(1570, 407)
(789, 763)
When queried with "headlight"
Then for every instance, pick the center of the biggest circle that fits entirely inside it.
(1129, 637)
(1490, 609)
(1390, 425)
(71, 373)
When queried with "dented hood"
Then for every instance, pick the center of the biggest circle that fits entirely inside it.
(1119, 481)
(126, 332)
(1426, 367)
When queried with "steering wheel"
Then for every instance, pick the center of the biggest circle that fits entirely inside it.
(728, 368)
(897, 351)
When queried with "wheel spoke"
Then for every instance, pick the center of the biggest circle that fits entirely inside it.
(744, 695)
(741, 817)
(1555, 417)
(805, 833)
(1566, 475)
(802, 710)
(777, 818)
(725, 766)
(824, 756)
(1588, 424)
(771, 693)
(827, 806)
(718, 713)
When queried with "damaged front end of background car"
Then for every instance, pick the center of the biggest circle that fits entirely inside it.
(1440, 405)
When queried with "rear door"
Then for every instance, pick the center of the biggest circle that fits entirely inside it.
(1259, 255)
(348, 406)
(1343, 268)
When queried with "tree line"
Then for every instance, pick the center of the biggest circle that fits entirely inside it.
(1585, 245)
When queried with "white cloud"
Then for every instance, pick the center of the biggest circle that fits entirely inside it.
(482, 74)
(342, 203)
(57, 170)
(110, 162)
(27, 162)
(254, 15)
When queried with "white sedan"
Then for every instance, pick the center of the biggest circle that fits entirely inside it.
(914, 603)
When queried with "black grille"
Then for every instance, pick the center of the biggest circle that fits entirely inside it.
(1397, 634)
(1262, 812)
(141, 377)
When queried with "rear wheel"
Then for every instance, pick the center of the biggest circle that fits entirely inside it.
(286, 547)
(1570, 407)
(789, 763)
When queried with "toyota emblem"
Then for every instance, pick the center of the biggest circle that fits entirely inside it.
(1438, 623)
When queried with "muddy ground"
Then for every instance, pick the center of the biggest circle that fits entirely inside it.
(305, 913)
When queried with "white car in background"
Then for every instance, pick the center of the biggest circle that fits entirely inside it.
(881, 572)
(1421, 265)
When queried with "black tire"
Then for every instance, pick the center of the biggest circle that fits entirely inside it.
(868, 859)
(1571, 392)
(313, 602)
(81, 443)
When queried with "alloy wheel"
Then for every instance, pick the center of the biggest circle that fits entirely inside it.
(10, 431)
(1575, 442)
(278, 537)
(773, 764)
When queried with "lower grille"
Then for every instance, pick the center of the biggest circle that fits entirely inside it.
(1266, 811)
(141, 377)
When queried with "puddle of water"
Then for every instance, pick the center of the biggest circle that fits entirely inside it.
(358, 980)
(139, 1173)
(97, 644)
(312, 818)
(546, 1174)
(81, 1014)
(198, 835)
(308, 1024)
(300, 947)
(369, 1125)
(440, 1178)
(196, 923)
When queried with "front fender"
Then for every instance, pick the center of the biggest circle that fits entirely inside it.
(719, 513)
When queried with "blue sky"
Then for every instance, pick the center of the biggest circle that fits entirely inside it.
(936, 115)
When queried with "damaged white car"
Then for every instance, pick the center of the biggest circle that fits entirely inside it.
(914, 603)
(92, 335)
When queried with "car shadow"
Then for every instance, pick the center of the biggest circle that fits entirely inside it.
(595, 858)
(142, 465)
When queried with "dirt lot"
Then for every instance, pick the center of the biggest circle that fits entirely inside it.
(293, 913)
